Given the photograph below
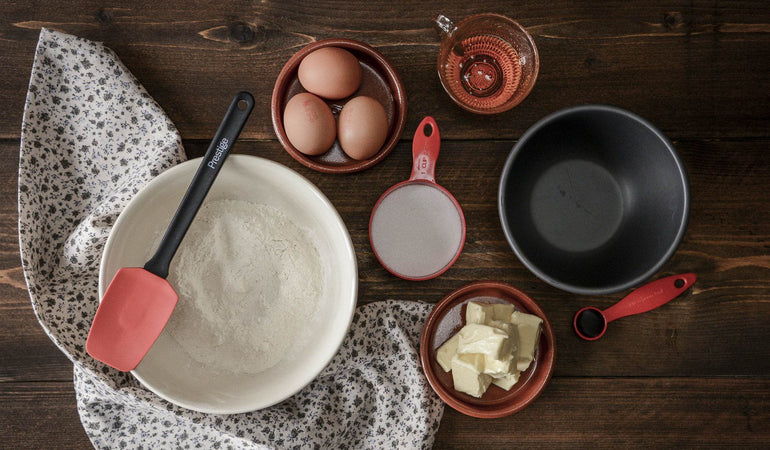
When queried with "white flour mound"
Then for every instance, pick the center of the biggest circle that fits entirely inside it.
(249, 281)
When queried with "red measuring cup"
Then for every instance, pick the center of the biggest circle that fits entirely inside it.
(591, 323)
(417, 228)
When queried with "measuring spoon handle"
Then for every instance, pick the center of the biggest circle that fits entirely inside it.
(650, 296)
(212, 162)
(425, 148)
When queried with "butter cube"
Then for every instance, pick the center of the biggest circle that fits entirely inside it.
(491, 341)
(507, 381)
(478, 312)
(498, 367)
(502, 311)
(510, 329)
(513, 335)
(484, 313)
(468, 376)
(446, 352)
(507, 363)
(529, 327)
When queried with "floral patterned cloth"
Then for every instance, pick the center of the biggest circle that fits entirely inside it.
(92, 137)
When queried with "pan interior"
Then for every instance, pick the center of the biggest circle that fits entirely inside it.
(593, 200)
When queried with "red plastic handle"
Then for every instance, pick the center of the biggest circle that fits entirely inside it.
(650, 296)
(425, 147)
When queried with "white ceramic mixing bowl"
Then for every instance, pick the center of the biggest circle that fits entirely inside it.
(166, 369)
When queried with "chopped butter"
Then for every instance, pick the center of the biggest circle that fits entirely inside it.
(446, 352)
(484, 339)
(513, 336)
(484, 313)
(502, 311)
(467, 374)
(506, 381)
(478, 312)
(529, 327)
(498, 367)
(495, 345)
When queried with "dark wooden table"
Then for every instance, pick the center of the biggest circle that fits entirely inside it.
(694, 372)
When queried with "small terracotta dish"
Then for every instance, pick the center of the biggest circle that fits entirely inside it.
(380, 81)
(446, 319)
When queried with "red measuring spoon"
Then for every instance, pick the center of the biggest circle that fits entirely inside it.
(139, 301)
(417, 228)
(591, 323)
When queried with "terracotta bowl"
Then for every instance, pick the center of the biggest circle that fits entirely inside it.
(380, 81)
(446, 319)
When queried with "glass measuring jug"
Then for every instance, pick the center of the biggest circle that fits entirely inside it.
(487, 63)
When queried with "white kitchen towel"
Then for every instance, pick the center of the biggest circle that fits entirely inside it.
(92, 137)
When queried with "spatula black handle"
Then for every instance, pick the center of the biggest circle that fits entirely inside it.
(220, 147)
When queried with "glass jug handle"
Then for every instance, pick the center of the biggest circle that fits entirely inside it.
(444, 24)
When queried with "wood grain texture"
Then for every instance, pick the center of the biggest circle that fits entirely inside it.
(625, 413)
(40, 415)
(571, 412)
(693, 373)
(696, 69)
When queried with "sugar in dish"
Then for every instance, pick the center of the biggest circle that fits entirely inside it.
(416, 230)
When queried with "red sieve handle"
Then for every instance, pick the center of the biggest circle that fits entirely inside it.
(650, 296)
(425, 147)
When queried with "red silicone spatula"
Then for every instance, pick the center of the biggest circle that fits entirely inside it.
(139, 301)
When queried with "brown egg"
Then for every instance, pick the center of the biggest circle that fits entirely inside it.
(362, 127)
(330, 72)
(309, 124)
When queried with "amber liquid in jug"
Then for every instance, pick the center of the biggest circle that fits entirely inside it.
(487, 63)
(483, 70)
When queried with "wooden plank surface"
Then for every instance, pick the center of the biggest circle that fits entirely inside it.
(696, 69)
(40, 415)
(695, 372)
(626, 413)
(572, 412)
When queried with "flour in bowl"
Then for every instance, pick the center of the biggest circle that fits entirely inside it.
(249, 280)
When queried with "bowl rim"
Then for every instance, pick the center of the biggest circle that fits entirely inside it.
(506, 173)
(394, 83)
(146, 190)
(445, 394)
